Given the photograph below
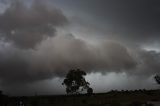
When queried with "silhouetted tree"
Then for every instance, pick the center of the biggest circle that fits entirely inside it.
(1, 97)
(89, 91)
(157, 78)
(75, 82)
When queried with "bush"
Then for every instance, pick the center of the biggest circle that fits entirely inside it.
(89, 91)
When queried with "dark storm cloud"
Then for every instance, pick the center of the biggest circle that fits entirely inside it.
(33, 26)
(67, 52)
(26, 25)
(148, 63)
(135, 21)
(55, 56)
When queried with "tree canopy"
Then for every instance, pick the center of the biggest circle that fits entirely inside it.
(157, 78)
(75, 82)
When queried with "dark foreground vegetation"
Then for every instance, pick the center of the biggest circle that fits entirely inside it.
(112, 98)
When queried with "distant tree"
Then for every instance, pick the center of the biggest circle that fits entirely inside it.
(1, 102)
(157, 79)
(0, 93)
(89, 91)
(75, 82)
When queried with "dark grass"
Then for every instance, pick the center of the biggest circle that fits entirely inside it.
(114, 98)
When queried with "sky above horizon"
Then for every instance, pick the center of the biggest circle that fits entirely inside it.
(115, 41)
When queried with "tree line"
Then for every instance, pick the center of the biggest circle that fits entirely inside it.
(75, 82)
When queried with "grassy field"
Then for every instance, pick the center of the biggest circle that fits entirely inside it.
(113, 98)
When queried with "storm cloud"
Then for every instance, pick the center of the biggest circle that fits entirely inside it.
(67, 52)
(26, 25)
(132, 21)
(38, 41)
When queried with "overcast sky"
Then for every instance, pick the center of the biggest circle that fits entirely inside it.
(115, 41)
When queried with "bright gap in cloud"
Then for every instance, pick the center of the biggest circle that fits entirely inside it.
(119, 81)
